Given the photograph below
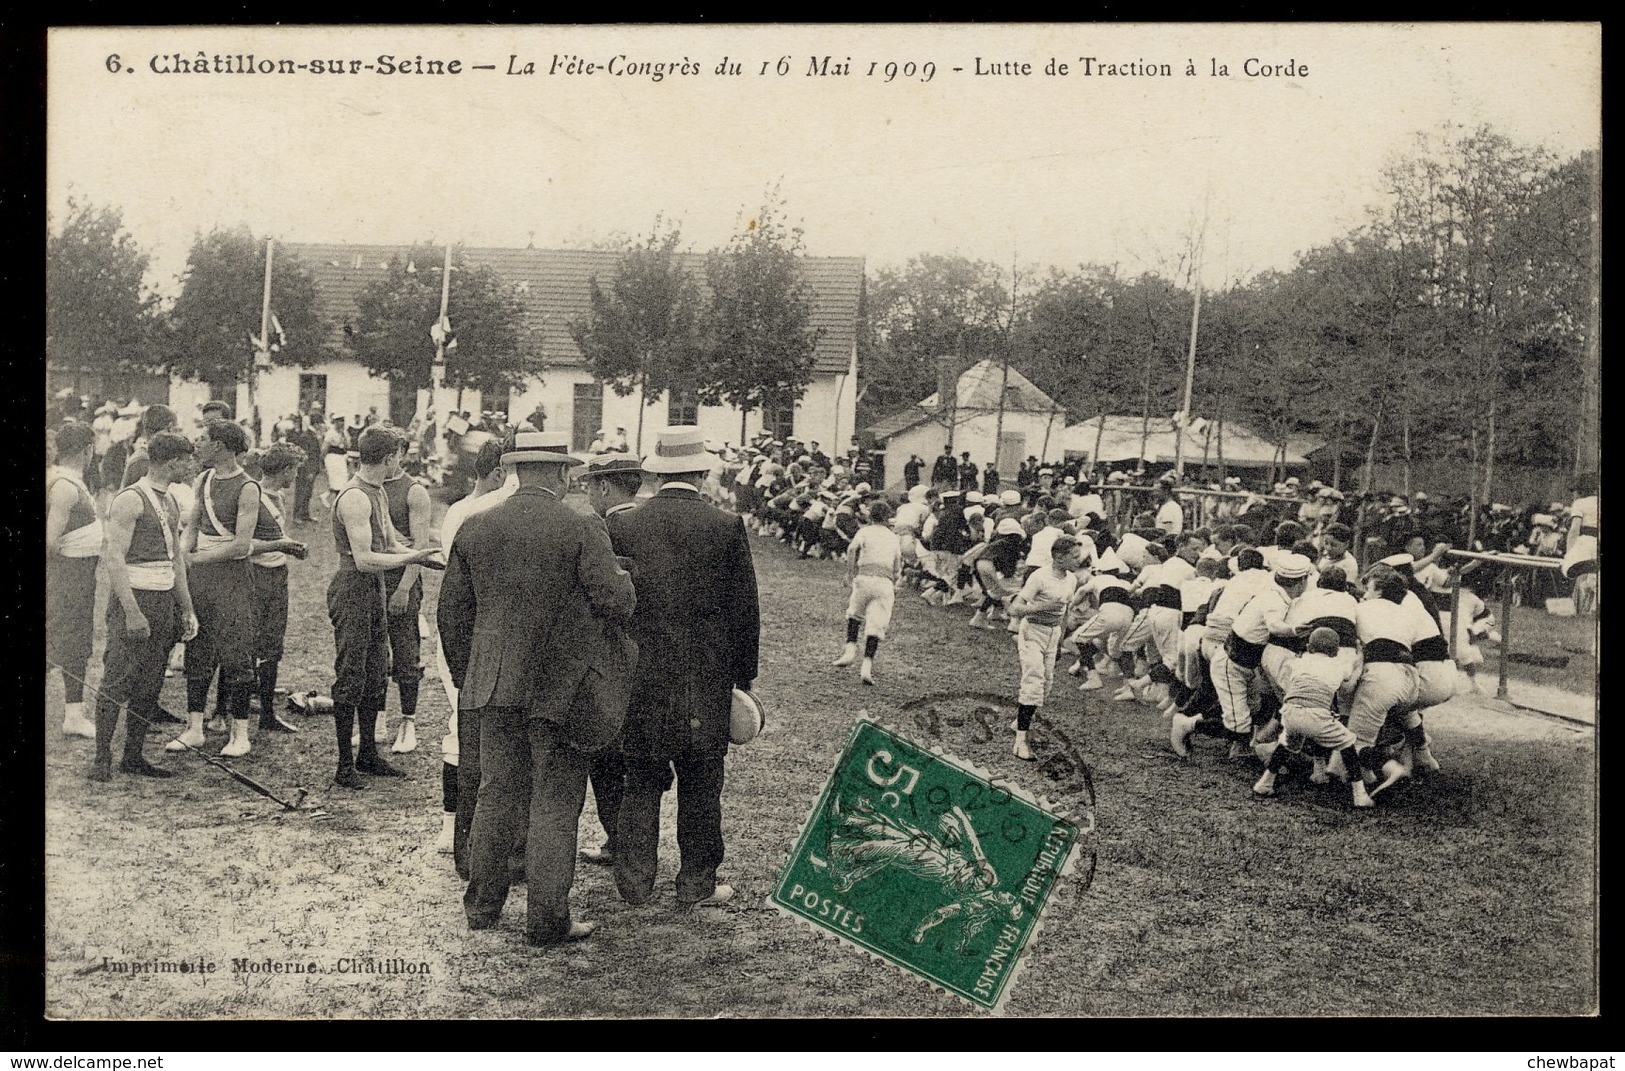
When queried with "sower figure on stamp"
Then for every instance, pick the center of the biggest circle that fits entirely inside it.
(696, 626)
(528, 615)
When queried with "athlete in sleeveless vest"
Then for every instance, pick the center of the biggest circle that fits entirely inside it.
(73, 545)
(356, 605)
(280, 466)
(220, 536)
(150, 607)
(410, 514)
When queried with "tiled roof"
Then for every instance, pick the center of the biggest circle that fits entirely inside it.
(978, 388)
(554, 286)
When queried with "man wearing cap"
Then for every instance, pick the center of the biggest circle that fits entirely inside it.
(967, 472)
(911, 471)
(532, 590)
(945, 472)
(460, 750)
(697, 629)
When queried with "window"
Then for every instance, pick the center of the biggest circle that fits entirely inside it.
(586, 415)
(780, 420)
(496, 400)
(682, 407)
(313, 393)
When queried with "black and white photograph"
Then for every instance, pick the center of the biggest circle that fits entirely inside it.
(822, 521)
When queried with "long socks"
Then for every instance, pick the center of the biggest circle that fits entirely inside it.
(871, 644)
(409, 698)
(853, 625)
(343, 726)
(1024, 716)
(448, 788)
(267, 688)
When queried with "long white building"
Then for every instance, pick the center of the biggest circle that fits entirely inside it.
(554, 287)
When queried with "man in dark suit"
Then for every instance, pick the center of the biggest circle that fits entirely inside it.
(696, 627)
(528, 615)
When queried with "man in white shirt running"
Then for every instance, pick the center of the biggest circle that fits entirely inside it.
(876, 558)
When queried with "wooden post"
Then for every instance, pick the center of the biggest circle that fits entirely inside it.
(1455, 609)
(1506, 633)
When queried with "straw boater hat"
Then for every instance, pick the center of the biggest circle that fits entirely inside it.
(604, 464)
(1010, 497)
(678, 450)
(539, 447)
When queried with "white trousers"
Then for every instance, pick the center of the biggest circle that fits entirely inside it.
(1106, 629)
(1383, 686)
(1235, 687)
(1435, 683)
(1301, 722)
(1036, 645)
(871, 602)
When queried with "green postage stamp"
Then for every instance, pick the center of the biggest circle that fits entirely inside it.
(928, 863)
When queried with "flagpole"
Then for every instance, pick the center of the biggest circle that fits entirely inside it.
(438, 374)
(264, 354)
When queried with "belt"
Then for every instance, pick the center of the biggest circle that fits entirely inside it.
(1432, 649)
(1388, 651)
(1589, 531)
(882, 571)
(1117, 595)
(1242, 653)
(1163, 595)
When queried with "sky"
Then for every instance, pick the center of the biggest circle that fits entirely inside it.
(1031, 168)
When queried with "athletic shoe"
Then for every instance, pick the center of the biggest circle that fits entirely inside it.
(406, 739)
(1362, 798)
(578, 931)
(866, 672)
(1265, 785)
(1422, 759)
(1125, 694)
(720, 895)
(1393, 772)
(190, 738)
(1092, 683)
(1179, 733)
(445, 844)
(1022, 751)
(76, 723)
(849, 655)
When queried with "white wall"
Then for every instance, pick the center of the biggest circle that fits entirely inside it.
(977, 434)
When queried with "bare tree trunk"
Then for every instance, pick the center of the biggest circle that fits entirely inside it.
(1405, 439)
(1489, 456)
(1473, 499)
(1371, 452)
(1145, 407)
(744, 414)
(1100, 434)
(1337, 455)
(643, 378)
(1222, 470)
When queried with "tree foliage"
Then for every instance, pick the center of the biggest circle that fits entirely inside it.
(99, 313)
(394, 316)
(759, 338)
(643, 332)
(218, 312)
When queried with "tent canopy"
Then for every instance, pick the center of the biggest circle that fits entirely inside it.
(1120, 441)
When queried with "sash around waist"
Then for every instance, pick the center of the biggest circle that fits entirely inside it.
(1388, 651)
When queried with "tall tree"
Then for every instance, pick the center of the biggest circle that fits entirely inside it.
(218, 311)
(760, 341)
(643, 333)
(100, 316)
(931, 319)
(395, 313)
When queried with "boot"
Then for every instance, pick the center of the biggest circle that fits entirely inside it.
(238, 745)
(443, 843)
(406, 741)
(380, 731)
(976, 620)
(348, 778)
(1125, 694)
(1422, 758)
(1092, 683)
(1265, 785)
(866, 671)
(141, 767)
(849, 655)
(75, 723)
(192, 737)
(1179, 733)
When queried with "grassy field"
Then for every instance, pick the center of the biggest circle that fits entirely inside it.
(1471, 892)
